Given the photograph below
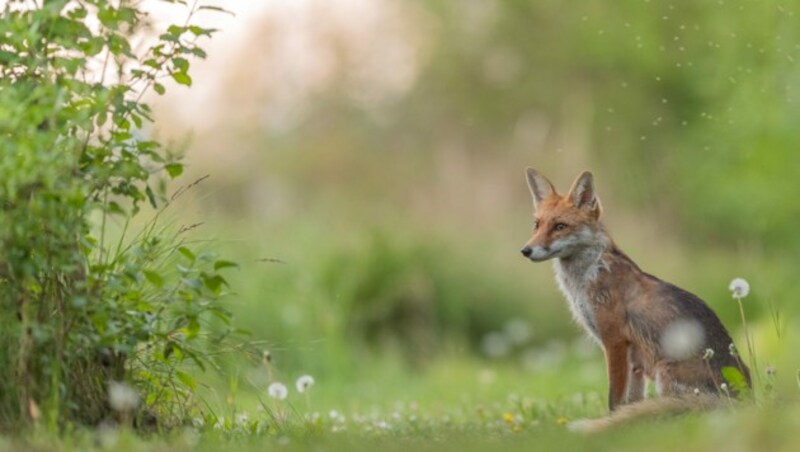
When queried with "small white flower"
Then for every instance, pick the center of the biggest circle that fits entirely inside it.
(220, 424)
(122, 397)
(724, 387)
(708, 354)
(739, 287)
(696, 391)
(277, 391)
(304, 383)
(336, 416)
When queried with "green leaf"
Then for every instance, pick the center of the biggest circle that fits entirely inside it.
(216, 8)
(220, 264)
(186, 379)
(174, 169)
(151, 197)
(200, 31)
(168, 349)
(214, 283)
(159, 88)
(735, 380)
(187, 253)
(152, 63)
(176, 30)
(198, 52)
(182, 78)
(154, 278)
(181, 63)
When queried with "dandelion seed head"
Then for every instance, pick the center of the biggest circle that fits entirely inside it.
(304, 383)
(696, 391)
(724, 386)
(277, 391)
(495, 345)
(122, 397)
(682, 338)
(739, 288)
(518, 331)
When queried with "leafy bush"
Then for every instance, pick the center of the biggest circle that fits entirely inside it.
(79, 310)
(417, 296)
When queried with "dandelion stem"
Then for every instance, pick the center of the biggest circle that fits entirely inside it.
(750, 348)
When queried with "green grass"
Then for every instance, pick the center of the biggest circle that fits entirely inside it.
(395, 394)
(452, 406)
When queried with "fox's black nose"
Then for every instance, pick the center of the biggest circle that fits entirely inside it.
(526, 251)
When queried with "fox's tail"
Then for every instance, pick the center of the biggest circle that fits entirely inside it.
(648, 409)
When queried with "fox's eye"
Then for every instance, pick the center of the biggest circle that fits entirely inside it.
(535, 224)
(559, 227)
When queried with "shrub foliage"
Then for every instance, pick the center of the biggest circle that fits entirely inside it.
(78, 309)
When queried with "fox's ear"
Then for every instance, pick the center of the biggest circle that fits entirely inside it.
(582, 193)
(540, 187)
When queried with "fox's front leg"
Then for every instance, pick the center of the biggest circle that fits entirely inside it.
(618, 373)
(636, 381)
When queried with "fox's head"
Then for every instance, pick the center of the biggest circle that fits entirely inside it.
(563, 225)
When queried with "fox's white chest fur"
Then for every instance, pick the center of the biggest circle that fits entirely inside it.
(574, 276)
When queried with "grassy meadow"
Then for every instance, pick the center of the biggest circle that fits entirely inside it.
(362, 164)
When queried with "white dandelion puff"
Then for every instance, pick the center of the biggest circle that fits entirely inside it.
(304, 383)
(739, 287)
(495, 345)
(518, 331)
(277, 391)
(122, 397)
(336, 416)
(696, 391)
(682, 339)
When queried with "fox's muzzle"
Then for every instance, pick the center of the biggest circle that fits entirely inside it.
(536, 254)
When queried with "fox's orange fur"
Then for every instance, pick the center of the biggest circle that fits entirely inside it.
(627, 311)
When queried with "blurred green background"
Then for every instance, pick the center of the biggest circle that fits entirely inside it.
(367, 157)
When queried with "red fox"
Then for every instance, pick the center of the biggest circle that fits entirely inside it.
(648, 328)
